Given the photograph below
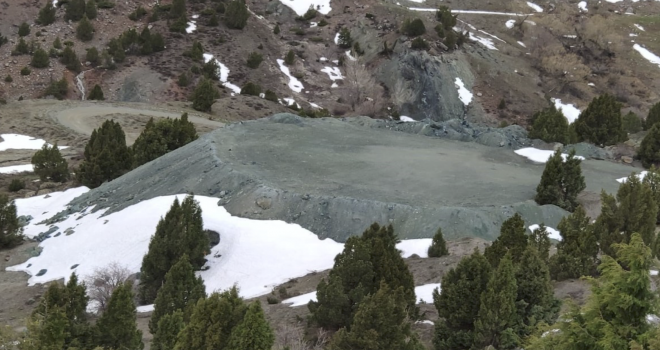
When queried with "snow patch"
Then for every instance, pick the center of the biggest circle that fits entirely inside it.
(509, 24)
(406, 119)
(16, 141)
(521, 44)
(552, 233)
(424, 293)
(425, 322)
(288, 101)
(568, 110)
(463, 94)
(640, 176)
(410, 247)
(13, 169)
(145, 308)
(350, 57)
(538, 155)
(294, 84)
(582, 5)
(337, 38)
(534, 6)
(639, 27)
(192, 26)
(333, 73)
(300, 300)
(650, 56)
(301, 6)
(223, 73)
(654, 272)
(492, 36)
(314, 105)
(483, 41)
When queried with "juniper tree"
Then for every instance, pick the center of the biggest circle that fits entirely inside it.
(96, 93)
(649, 149)
(653, 117)
(541, 241)
(21, 48)
(178, 9)
(11, 233)
(513, 238)
(117, 327)
(90, 9)
(46, 14)
(632, 123)
(48, 163)
(652, 180)
(181, 291)
(159, 138)
(237, 14)
(180, 233)
(413, 27)
(455, 326)
(344, 40)
(204, 95)
(70, 60)
(577, 253)
(75, 9)
(445, 17)
(601, 122)
(24, 29)
(438, 246)
(39, 58)
(561, 182)
(167, 331)
(549, 125)
(289, 58)
(106, 156)
(92, 56)
(85, 30)
(254, 332)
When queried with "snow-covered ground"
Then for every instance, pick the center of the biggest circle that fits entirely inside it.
(639, 27)
(568, 110)
(288, 101)
(650, 56)
(418, 246)
(582, 5)
(300, 300)
(13, 169)
(192, 26)
(294, 84)
(333, 73)
(463, 94)
(350, 57)
(535, 7)
(522, 44)
(16, 141)
(483, 41)
(552, 233)
(640, 176)
(404, 118)
(538, 155)
(509, 24)
(424, 294)
(301, 6)
(223, 74)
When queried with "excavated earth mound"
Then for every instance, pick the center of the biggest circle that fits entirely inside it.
(337, 176)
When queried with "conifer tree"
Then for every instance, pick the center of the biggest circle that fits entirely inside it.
(237, 14)
(168, 329)
(513, 238)
(632, 123)
(541, 241)
(11, 233)
(438, 246)
(90, 9)
(204, 95)
(455, 326)
(75, 10)
(180, 291)
(254, 332)
(70, 60)
(48, 331)
(180, 233)
(85, 30)
(106, 156)
(345, 41)
(96, 93)
(653, 117)
(649, 149)
(380, 323)
(601, 122)
(212, 322)
(39, 58)
(21, 48)
(24, 29)
(652, 180)
(178, 9)
(49, 164)
(549, 125)
(46, 14)
(497, 319)
(290, 58)
(577, 253)
(117, 327)
(93, 57)
(561, 182)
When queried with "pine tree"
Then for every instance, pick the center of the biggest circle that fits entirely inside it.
(237, 14)
(212, 322)
(48, 331)
(254, 332)
(444, 16)
(197, 51)
(46, 14)
(204, 95)
(381, 323)
(117, 328)
(178, 9)
(577, 253)
(57, 43)
(180, 291)
(438, 246)
(653, 117)
(92, 56)
(455, 325)
(75, 10)
(70, 60)
(573, 181)
(96, 93)
(345, 41)
(413, 27)
(106, 156)
(39, 58)
(497, 319)
(24, 29)
(632, 123)
(561, 182)
(512, 238)
(11, 233)
(541, 241)
(90, 9)
(289, 58)
(180, 233)
(652, 180)
(649, 149)
(21, 48)
(85, 30)
(601, 122)
(549, 125)
(159, 138)
(168, 329)
(276, 30)
(49, 164)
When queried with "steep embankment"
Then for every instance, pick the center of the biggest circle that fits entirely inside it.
(335, 177)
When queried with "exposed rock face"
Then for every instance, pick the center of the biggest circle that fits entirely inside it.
(336, 177)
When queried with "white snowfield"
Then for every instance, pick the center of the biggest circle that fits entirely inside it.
(424, 294)
(16, 141)
(301, 6)
(223, 73)
(294, 84)
(333, 73)
(552, 233)
(300, 300)
(192, 26)
(648, 55)
(538, 155)
(410, 247)
(463, 94)
(15, 169)
(568, 110)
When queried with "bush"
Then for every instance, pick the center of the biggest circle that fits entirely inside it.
(501, 105)
(90, 9)
(85, 30)
(345, 41)
(323, 22)
(16, 185)
(213, 21)
(92, 56)
(561, 182)
(419, 44)
(11, 233)
(237, 14)
(438, 246)
(270, 96)
(8, 79)
(632, 123)
(57, 89)
(70, 60)
(39, 58)
(251, 89)
(46, 14)
(276, 30)
(254, 60)
(310, 14)
(444, 16)
(601, 122)
(413, 28)
(75, 10)
(440, 30)
(196, 53)
(25, 71)
(183, 80)
(137, 14)
(21, 48)
(105, 4)
(550, 125)
(178, 9)
(57, 43)
(50, 165)
(24, 29)
(96, 94)
(161, 137)
(179, 26)
(204, 95)
(272, 300)
(289, 58)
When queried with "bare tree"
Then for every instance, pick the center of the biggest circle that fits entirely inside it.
(360, 87)
(103, 282)
(293, 338)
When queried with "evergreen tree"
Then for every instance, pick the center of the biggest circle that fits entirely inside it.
(512, 238)
(85, 30)
(652, 180)
(90, 9)
(92, 56)
(649, 149)
(168, 329)
(106, 156)
(11, 233)
(601, 122)
(162, 137)
(497, 319)
(39, 58)
(380, 323)
(48, 331)
(24, 29)
(178, 9)
(96, 93)
(289, 58)
(549, 125)
(212, 322)
(455, 326)
(180, 233)
(444, 16)
(70, 60)
(541, 241)
(49, 164)
(251, 89)
(561, 182)
(653, 117)
(632, 123)
(75, 9)
(180, 291)
(577, 253)
(204, 95)
(57, 43)
(276, 30)
(117, 327)
(413, 27)
(438, 246)
(237, 14)
(254, 332)
(254, 60)
(197, 51)
(345, 41)
(21, 48)
(46, 14)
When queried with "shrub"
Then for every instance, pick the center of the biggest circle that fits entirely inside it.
(8, 79)
(561, 182)
(444, 16)
(653, 117)
(92, 56)
(96, 94)
(70, 60)
(438, 246)
(23, 29)
(177, 9)
(105, 4)
(276, 30)
(419, 44)
(501, 105)
(196, 53)
(254, 60)
(25, 71)
(137, 14)
(90, 9)
(649, 150)
(21, 48)
(310, 14)
(601, 122)
(345, 41)
(16, 185)
(251, 89)
(57, 89)
(75, 10)
(11, 233)
(440, 30)
(549, 125)
(106, 156)
(413, 27)
(39, 58)
(213, 21)
(632, 123)
(183, 80)
(323, 22)
(179, 26)
(57, 43)
(237, 14)
(289, 58)
(204, 95)
(270, 96)
(161, 137)
(210, 70)
(272, 300)
(50, 165)
(85, 30)
(46, 14)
